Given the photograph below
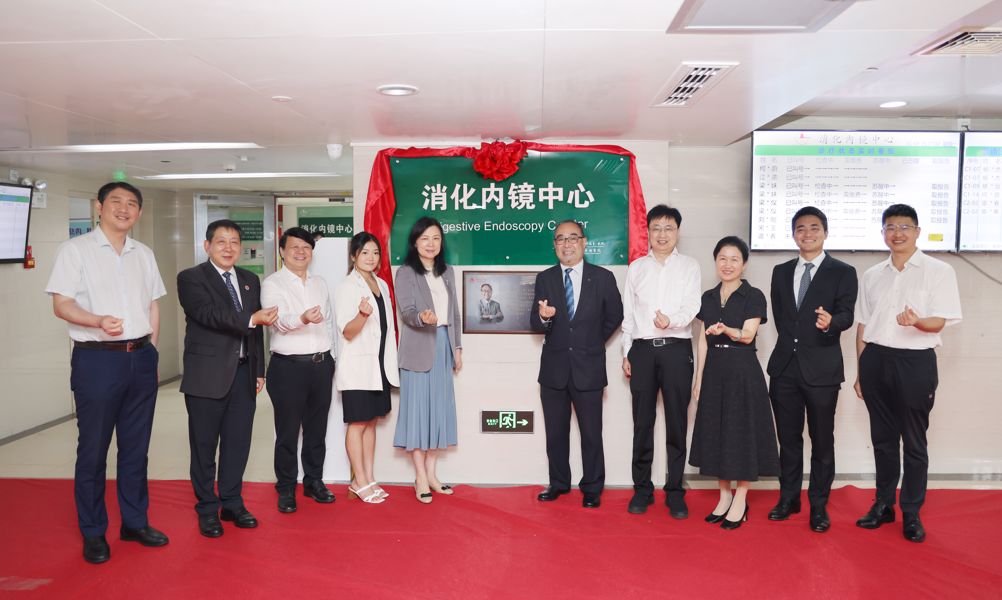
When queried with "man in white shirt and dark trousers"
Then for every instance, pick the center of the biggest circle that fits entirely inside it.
(904, 304)
(660, 300)
(301, 372)
(105, 285)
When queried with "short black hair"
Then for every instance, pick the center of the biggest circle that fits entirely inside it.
(566, 221)
(488, 286)
(296, 232)
(899, 210)
(413, 259)
(662, 211)
(222, 224)
(358, 241)
(119, 185)
(732, 240)
(809, 211)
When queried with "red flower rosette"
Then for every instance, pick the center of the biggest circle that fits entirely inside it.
(498, 160)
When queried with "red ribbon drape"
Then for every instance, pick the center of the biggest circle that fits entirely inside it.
(380, 204)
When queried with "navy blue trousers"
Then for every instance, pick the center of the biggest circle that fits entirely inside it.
(115, 392)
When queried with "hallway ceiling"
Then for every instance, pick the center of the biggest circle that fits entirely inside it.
(126, 71)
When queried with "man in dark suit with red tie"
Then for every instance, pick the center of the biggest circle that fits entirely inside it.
(813, 299)
(578, 307)
(223, 372)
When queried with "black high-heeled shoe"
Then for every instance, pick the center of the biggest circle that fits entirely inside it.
(713, 518)
(725, 524)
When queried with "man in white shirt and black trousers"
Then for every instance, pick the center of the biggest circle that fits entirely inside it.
(105, 285)
(301, 372)
(660, 300)
(904, 304)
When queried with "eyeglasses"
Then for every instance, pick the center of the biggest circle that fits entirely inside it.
(566, 239)
(664, 229)
(895, 228)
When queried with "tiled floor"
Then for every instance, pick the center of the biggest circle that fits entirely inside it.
(50, 453)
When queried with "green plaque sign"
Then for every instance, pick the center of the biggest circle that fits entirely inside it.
(511, 222)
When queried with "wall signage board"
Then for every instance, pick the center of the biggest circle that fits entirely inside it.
(981, 193)
(506, 421)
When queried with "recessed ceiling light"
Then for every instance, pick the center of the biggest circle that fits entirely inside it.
(397, 89)
(229, 175)
(871, 69)
(894, 104)
(282, 98)
(154, 147)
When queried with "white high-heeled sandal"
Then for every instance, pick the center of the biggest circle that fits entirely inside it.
(380, 490)
(372, 498)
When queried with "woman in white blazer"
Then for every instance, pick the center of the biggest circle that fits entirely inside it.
(367, 361)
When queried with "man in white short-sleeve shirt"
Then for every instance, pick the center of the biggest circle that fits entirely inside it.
(105, 285)
(904, 304)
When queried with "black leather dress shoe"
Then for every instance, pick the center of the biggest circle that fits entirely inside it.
(287, 501)
(591, 501)
(209, 525)
(640, 501)
(783, 509)
(241, 517)
(676, 507)
(550, 494)
(319, 492)
(96, 550)
(147, 536)
(913, 530)
(820, 521)
(878, 514)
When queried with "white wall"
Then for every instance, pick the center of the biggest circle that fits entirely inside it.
(711, 188)
(34, 345)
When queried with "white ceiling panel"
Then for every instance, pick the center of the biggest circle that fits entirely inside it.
(904, 14)
(60, 21)
(213, 19)
(640, 15)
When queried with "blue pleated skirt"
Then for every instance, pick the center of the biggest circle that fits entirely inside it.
(427, 416)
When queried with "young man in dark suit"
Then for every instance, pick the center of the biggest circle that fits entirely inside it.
(578, 307)
(813, 298)
(223, 372)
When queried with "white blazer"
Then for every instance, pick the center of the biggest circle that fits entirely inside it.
(358, 358)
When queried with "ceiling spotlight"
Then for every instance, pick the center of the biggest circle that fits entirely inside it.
(894, 104)
(282, 98)
(27, 181)
(397, 89)
(41, 185)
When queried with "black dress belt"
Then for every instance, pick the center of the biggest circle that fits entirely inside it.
(734, 346)
(316, 357)
(663, 341)
(117, 346)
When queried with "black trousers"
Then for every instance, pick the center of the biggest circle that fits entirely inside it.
(301, 394)
(115, 392)
(899, 389)
(224, 423)
(791, 397)
(557, 417)
(667, 369)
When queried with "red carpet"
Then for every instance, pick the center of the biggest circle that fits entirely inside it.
(500, 543)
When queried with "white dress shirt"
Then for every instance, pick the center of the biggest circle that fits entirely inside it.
(798, 272)
(439, 297)
(672, 288)
(926, 284)
(103, 282)
(293, 297)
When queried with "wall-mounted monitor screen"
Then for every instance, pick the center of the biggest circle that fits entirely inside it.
(15, 211)
(981, 192)
(853, 176)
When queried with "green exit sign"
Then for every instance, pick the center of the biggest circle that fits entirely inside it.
(506, 421)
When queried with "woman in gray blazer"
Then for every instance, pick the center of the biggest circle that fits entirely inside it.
(430, 352)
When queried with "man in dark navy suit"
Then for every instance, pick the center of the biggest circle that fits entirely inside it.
(813, 298)
(578, 307)
(223, 372)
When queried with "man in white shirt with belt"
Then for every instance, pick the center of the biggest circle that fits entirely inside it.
(660, 300)
(105, 285)
(904, 304)
(301, 372)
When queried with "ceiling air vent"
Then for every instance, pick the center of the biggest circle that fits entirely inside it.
(690, 82)
(963, 43)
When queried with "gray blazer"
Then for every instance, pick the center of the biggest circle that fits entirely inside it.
(416, 351)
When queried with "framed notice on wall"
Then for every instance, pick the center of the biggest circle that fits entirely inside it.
(497, 301)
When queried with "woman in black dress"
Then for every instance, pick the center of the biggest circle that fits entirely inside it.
(367, 361)
(734, 438)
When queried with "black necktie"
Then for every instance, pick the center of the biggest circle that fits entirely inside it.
(805, 282)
